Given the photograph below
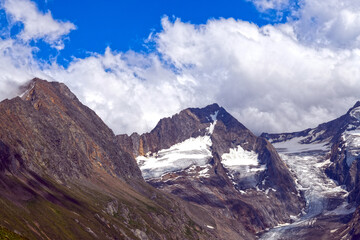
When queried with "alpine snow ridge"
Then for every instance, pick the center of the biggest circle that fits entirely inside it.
(326, 162)
(205, 156)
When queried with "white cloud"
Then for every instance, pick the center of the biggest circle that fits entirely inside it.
(264, 5)
(37, 25)
(17, 66)
(319, 23)
(265, 77)
(272, 78)
(329, 23)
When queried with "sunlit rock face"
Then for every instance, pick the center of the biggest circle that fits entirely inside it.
(205, 156)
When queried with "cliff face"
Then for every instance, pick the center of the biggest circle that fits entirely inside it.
(207, 157)
(63, 176)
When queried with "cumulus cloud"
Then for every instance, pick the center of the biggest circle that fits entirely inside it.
(318, 23)
(265, 77)
(37, 25)
(329, 23)
(265, 5)
(17, 66)
(272, 78)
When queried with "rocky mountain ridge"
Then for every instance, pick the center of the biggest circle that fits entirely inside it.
(228, 170)
(63, 176)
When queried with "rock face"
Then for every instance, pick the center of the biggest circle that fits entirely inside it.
(341, 139)
(64, 176)
(48, 129)
(205, 156)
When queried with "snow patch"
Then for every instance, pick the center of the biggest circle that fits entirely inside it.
(239, 157)
(352, 142)
(208, 226)
(214, 116)
(295, 145)
(193, 151)
(343, 209)
(27, 90)
(205, 172)
(212, 125)
(355, 113)
(243, 167)
(211, 128)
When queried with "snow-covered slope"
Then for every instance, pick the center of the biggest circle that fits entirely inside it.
(325, 160)
(179, 157)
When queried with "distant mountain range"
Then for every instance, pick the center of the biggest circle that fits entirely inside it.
(199, 174)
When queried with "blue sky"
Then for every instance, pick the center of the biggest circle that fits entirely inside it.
(276, 65)
(124, 25)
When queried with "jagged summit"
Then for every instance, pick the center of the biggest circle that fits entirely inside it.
(357, 104)
(190, 122)
(205, 156)
(204, 114)
(42, 88)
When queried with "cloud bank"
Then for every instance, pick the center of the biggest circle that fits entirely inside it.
(275, 78)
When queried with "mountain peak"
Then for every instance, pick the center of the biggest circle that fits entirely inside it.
(207, 114)
(357, 104)
(53, 122)
(38, 90)
(211, 107)
(354, 112)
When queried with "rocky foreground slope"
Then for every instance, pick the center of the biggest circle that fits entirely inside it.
(63, 176)
(206, 157)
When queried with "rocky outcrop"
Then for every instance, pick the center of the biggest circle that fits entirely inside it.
(352, 230)
(248, 198)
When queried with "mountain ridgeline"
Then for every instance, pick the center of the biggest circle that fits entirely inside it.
(201, 151)
(199, 174)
